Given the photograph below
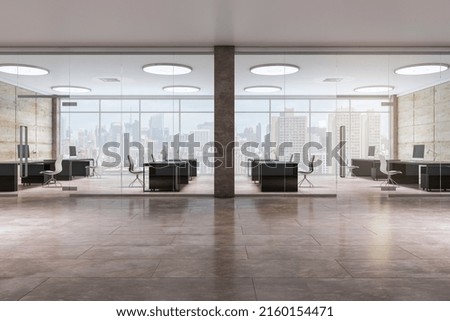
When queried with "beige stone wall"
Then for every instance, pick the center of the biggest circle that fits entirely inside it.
(35, 113)
(424, 118)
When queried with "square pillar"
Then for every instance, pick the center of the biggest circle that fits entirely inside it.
(224, 121)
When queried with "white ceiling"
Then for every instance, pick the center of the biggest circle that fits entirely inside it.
(355, 70)
(224, 22)
(205, 23)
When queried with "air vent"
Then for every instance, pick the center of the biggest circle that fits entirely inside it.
(333, 79)
(109, 79)
(69, 104)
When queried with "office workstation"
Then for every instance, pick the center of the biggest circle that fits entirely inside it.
(32, 172)
(415, 172)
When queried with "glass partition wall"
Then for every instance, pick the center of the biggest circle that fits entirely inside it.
(97, 109)
(345, 111)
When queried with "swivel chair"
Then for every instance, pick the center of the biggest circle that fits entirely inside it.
(134, 171)
(384, 170)
(308, 172)
(52, 174)
(350, 169)
(93, 167)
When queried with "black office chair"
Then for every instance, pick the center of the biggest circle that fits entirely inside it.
(305, 173)
(134, 171)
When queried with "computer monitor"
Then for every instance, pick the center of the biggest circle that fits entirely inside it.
(72, 151)
(418, 152)
(23, 150)
(371, 152)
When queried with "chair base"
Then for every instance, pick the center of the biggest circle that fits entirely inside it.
(307, 180)
(94, 174)
(52, 181)
(136, 179)
(350, 171)
(389, 182)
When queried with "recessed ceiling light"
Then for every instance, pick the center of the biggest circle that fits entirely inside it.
(274, 69)
(333, 79)
(421, 69)
(181, 89)
(167, 69)
(71, 89)
(109, 79)
(23, 70)
(373, 89)
(262, 89)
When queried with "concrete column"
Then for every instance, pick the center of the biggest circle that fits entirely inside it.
(56, 124)
(224, 121)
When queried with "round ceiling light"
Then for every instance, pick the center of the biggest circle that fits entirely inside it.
(262, 89)
(181, 89)
(167, 69)
(421, 69)
(274, 69)
(373, 89)
(71, 89)
(23, 70)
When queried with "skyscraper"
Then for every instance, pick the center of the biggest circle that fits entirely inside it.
(289, 128)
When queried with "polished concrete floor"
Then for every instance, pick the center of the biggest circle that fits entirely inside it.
(351, 247)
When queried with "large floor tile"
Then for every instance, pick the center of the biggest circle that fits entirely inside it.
(144, 289)
(222, 267)
(158, 252)
(17, 287)
(300, 289)
(78, 268)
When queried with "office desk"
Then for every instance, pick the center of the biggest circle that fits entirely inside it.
(165, 176)
(434, 177)
(192, 164)
(277, 176)
(9, 174)
(34, 171)
(411, 169)
(75, 167)
(367, 168)
(256, 169)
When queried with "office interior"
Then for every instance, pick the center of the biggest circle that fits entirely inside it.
(108, 108)
(347, 236)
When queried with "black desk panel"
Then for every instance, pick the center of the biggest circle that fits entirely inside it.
(276, 176)
(166, 176)
(367, 168)
(74, 168)
(8, 176)
(410, 170)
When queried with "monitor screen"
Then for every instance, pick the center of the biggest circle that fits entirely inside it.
(371, 152)
(72, 151)
(23, 150)
(418, 151)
